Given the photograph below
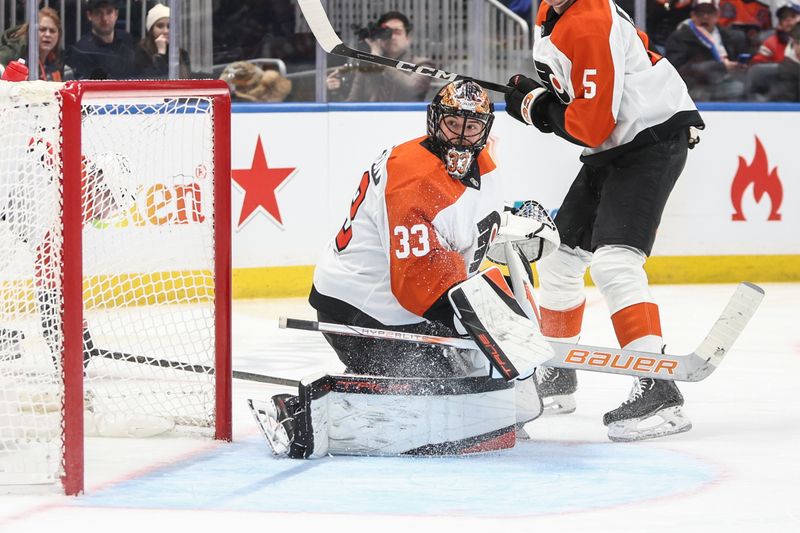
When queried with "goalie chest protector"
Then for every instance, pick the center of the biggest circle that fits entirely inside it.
(412, 233)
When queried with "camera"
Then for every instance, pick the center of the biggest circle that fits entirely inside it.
(372, 31)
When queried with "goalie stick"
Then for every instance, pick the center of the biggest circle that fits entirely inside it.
(187, 367)
(321, 27)
(694, 366)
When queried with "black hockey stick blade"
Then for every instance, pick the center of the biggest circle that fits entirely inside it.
(187, 367)
(694, 366)
(321, 27)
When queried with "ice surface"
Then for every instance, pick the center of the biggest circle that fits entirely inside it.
(735, 471)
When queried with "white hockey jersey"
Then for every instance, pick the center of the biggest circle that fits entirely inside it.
(616, 90)
(412, 233)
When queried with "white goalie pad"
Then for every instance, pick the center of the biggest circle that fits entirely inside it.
(365, 415)
(530, 229)
(528, 402)
(380, 416)
(489, 311)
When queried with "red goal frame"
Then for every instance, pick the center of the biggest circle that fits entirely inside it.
(72, 96)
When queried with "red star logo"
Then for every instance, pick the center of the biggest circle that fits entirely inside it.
(259, 184)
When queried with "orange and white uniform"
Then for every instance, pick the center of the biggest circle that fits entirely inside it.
(412, 233)
(618, 93)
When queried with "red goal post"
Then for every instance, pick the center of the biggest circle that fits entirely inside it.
(116, 318)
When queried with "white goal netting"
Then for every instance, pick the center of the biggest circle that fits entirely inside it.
(148, 210)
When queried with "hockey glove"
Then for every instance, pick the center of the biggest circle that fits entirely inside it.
(522, 100)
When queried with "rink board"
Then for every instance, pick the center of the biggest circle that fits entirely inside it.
(733, 213)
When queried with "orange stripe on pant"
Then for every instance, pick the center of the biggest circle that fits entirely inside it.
(636, 321)
(562, 324)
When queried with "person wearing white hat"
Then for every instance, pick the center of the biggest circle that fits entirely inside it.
(152, 53)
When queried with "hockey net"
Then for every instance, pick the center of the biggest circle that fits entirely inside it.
(114, 269)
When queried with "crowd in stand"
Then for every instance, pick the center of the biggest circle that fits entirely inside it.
(731, 50)
(725, 50)
(104, 52)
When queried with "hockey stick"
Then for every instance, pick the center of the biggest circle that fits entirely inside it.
(694, 366)
(177, 365)
(321, 27)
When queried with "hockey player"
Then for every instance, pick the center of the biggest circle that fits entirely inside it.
(601, 87)
(406, 259)
(26, 213)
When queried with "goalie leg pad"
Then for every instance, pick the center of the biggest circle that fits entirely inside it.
(487, 308)
(380, 416)
(529, 403)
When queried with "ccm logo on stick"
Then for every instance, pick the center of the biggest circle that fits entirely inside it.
(604, 359)
(428, 71)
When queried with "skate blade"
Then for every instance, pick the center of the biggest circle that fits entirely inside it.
(522, 433)
(272, 430)
(672, 421)
(560, 404)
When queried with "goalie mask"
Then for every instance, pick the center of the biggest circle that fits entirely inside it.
(459, 120)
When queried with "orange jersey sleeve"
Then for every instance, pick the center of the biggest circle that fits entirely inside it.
(589, 117)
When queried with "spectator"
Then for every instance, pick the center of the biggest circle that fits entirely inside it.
(745, 13)
(14, 45)
(105, 52)
(710, 59)
(521, 8)
(751, 17)
(786, 86)
(373, 83)
(773, 48)
(152, 53)
(663, 17)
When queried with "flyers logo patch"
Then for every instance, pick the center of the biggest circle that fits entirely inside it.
(553, 82)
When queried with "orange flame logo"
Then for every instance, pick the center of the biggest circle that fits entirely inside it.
(763, 180)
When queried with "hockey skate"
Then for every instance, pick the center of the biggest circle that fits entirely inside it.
(557, 387)
(275, 418)
(652, 410)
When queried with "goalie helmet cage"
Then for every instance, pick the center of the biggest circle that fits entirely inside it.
(115, 261)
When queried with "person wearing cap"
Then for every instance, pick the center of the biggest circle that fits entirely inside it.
(710, 59)
(786, 86)
(152, 53)
(773, 48)
(105, 52)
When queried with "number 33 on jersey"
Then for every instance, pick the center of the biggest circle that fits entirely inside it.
(411, 233)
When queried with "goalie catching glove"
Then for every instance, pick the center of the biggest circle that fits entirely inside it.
(530, 229)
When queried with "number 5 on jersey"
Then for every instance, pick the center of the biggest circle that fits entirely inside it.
(345, 234)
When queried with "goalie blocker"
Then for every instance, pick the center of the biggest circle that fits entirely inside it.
(381, 416)
(510, 339)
